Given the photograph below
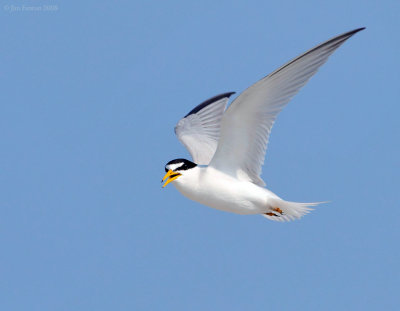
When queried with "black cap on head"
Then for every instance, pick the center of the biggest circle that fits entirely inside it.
(179, 165)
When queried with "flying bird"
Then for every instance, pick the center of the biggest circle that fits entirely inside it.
(228, 145)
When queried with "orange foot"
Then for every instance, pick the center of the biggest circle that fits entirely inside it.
(278, 210)
(272, 214)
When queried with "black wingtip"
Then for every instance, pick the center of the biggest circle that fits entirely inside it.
(344, 36)
(352, 32)
(210, 101)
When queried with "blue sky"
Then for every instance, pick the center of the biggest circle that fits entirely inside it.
(90, 93)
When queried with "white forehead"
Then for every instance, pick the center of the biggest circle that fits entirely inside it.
(174, 166)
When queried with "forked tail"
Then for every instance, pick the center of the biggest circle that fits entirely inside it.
(281, 210)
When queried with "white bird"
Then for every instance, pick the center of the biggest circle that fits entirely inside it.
(228, 146)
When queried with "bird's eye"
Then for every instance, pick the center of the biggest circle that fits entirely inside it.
(166, 170)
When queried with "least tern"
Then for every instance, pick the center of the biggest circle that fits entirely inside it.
(228, 146)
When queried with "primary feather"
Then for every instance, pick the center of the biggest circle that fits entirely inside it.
(253, 113)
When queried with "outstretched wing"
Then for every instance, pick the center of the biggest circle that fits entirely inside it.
(247, 123)
(199, 130)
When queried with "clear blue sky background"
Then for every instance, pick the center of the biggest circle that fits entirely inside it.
(90, 94)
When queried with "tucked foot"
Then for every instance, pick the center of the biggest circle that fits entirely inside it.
(272, 214)
(278, 210)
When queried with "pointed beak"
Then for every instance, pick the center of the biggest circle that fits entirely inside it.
(170, 176)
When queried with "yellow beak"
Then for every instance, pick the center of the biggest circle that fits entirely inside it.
(172, 176)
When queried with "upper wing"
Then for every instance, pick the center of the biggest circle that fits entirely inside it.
(199, 130)
(247, 123)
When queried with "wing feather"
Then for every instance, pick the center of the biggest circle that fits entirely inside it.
(199, 130)
(247, 123)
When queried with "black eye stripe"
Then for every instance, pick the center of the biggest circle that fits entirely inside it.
(185, 165)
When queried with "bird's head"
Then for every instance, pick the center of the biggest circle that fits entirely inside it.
(176, 168)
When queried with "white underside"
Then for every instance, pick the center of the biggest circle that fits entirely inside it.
(215, 189)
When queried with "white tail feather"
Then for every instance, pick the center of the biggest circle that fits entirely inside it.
(290, 210)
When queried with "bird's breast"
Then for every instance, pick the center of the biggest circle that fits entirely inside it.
(223, 192)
